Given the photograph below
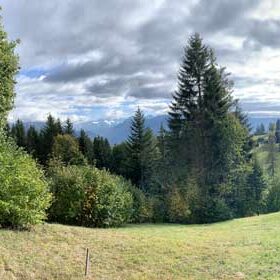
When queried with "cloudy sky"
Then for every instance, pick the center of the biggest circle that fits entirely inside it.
(93, 60)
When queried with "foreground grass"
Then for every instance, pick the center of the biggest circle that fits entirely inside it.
(241, 249)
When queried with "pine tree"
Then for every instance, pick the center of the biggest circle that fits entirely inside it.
(33, 142)
(47, 135)
(86, 146)
(102, 152)
(277, 131)
(260, 130)
(18, 133)
(209, 138)
(119, 160)
(256, 185)
(59, 126)
(271, 157)
(140, 150)
(68, 128)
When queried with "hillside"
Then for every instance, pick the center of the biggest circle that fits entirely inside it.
(240, 249)
(262, 152)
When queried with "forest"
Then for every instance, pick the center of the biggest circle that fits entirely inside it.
(204, 168)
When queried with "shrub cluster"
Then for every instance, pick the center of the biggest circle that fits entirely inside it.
(24, 195)
(87, 196)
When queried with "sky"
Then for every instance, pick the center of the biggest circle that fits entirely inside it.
(96, 60)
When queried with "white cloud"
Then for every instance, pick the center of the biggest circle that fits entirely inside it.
(101, 59)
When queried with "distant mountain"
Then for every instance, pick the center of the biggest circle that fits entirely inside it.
(118, 131)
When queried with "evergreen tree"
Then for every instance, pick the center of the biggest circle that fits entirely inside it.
(47, 135)
(59, 126)
(260, 130)
(32, 142)
(209, 139)
(272, 127)
(68, 128)
(18, 133)
(119, 159)
(271, 157)
(140, 150)
(277, 131)
(86, 146)
(102, 152)
(256, 185)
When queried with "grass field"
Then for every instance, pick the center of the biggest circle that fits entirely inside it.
(241, 249)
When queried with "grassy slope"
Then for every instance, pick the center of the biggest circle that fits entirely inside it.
(262, 155)
(241, 249)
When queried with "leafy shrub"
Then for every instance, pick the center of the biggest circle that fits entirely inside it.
(177, 207)
(24, 195)
(87, 196)
(66, 149)
(142, 206)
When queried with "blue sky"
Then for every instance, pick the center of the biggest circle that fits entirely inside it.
(98, 60)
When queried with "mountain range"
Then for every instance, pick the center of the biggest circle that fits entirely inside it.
(118, 131)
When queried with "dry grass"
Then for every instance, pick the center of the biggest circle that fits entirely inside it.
(241, 249)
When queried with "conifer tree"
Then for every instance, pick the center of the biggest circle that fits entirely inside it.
(68, 128)
(277, 131)
(209, 138)
(32, 141)
(102, 152)
(59, 126)
(86, 146)
(140, 150)
(256, 185)
(271, 157)
(47, 135)
(18, 133)
(119, 159)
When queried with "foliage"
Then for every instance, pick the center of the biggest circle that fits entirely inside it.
(8, 69)
(66, 149)
(24, 195)
(86, 146)
(141, 149)
(142, 206)
(102, 152)
(177, 207)
(88, 196)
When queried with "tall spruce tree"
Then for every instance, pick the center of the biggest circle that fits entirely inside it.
(68, 127)
(32, 141)
(86, 146)
(209, 138)
(19, 134)
(47, 135)
(271, 157)
(140, 150)
(277, 131)
(102, 152)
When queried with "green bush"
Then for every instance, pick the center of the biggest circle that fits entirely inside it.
(177, 207)
(24, 195)
(87, 196)
(142, 206)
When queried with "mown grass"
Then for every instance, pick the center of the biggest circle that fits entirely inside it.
(241, 249)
